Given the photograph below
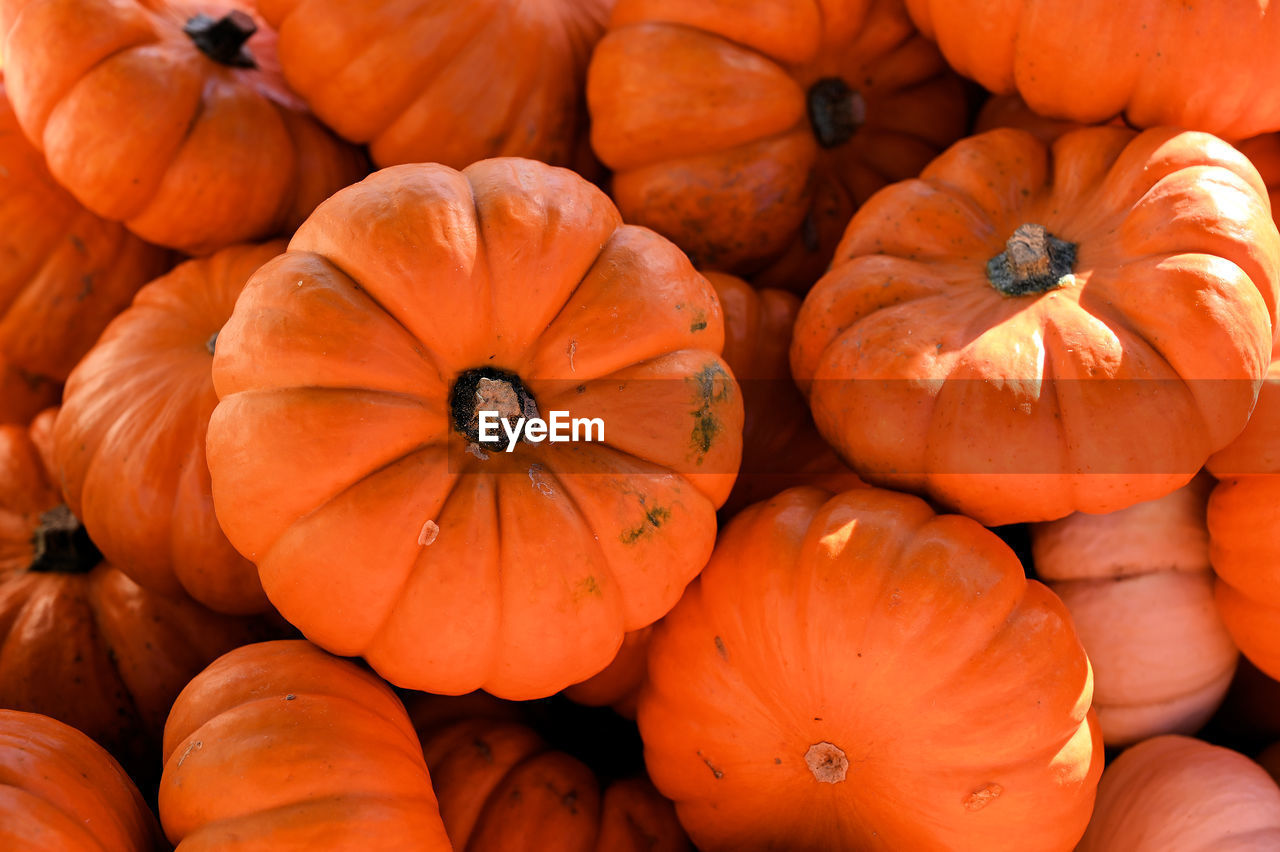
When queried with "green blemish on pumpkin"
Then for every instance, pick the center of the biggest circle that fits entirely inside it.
(590, 586)
(699, 322)
(713, 388)
(653, 518)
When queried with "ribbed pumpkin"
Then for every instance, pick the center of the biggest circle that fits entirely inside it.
(1177, 794)
(1026, 331)
(60, 792)
(1209, 66)
(66, 272)
(856, 672)
(618, 685)
(281, 746)
(129, 440)
(79, 640)
(171, 117)
(749, 133)
(346, 458)
(444, 82)
(1139, 588)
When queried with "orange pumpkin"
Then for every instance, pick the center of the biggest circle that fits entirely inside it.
(1176, 794)
(749, 133)
(79, 640)
(1208, 66)
(1139, 588)
(129, 440)
(60, 792)
(856, 672)
(66, 273)
(1026, 331)
(23, 395)
(345, 451)
(444, 82)
(281, 746)
(171, 117)
(1012, 111)
(618, 685)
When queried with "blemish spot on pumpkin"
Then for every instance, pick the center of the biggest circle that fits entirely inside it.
(428, 533)
(828, 762)
(713, 388)
(538, 483)
(982, 797)
(191, 747)
(573, 347)
(653, 518)
(590, 586)
(699, 322)
(721, 649)
(710, 765)
(290, 697)
(475, 450)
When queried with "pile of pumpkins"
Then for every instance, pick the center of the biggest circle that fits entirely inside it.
(935, 499)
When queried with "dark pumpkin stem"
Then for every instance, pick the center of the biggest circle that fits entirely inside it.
(61, 544)
(1033, 261)
(835, 111)
(223, 40)
(212, 343)
(489, 389)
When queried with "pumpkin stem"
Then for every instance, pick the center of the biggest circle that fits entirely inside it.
(212, 343)
(61, 544)
(1034, 261)
(489, 389)
(827, 762)
(223, 40)
(835, 111)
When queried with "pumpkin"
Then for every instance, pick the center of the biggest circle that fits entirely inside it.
(131, 433)
(66, 273)
(856, 672)
(23, 395)
(1027, 331)
(1204, 66)
(618, 685)
(1012, 111)
(279, 745)
(345, 451)
(79, 640)
(444, 82)
(748, 134)
(781, 447)
(1139, 588)
(1177, 794)
(501, 787)
(171, 117)
(60, 792)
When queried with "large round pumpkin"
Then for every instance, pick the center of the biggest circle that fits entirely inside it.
(129, 440)
(347, 458)
(748, 133)
(444, 82)
(280, 746)
(856, 672)
(1177, 794)
(170, 116)
(60, 792)
(1026, 331)
(66, 271)
(1209, 66)
(1140, 591)
(79, 640)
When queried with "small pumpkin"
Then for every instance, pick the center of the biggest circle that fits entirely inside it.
(1177, 794)
(129, 443)
(1139, 588)
(853, 671)
(171, 117)
(61, 792)
(346, 457)
(1028, 330)
(447, 83)
(748, 134)
(279, 745)
(618, 685)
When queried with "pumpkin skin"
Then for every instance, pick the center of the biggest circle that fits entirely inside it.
(703, 112)
(380, 525)
(66, 273)
(916, 692)
(502, 788)
(60, 792)
(131, 432)
(618, 685)
(1108, 381)
(1177, 794)
(781, 448)
(144, 127)
(440, 82)
(23, 395)
(281, 746)
(1157, 66)
(1140, 591)
(79, 640)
